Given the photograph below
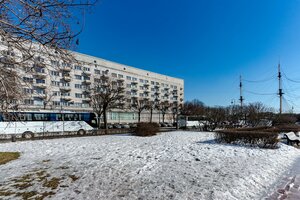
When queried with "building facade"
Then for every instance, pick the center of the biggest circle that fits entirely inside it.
(59, 86)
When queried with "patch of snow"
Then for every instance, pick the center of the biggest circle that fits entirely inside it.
(173, 165)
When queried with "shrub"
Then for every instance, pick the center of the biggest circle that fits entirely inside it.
(253, 138)
(284, 119)
(146, 129)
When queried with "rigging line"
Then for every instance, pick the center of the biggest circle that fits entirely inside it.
(289, 93)
(293, 96)
(258, 81)
(295, 105)
(289, 79)
(256, 93)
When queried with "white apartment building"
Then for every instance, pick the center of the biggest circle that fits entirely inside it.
(57, 86)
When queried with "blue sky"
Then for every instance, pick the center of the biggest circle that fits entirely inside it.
(208, 43)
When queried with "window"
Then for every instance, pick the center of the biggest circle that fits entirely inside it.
(65, 94)
(152, 82)
(141, 80)
(40, 91)
(66, 64)
(77, 95)
(27, 90)
(28, 102)
(54, 63)
(114, 75)
(128, 85)
(128, 78)
(28, 80)
(78, 86)
(134, 79)
(39, 69)
(65, 84)
(97, 71)
(54, 73)
(78, 77)
(40, 81)
(77, 67)
(86, 69)
(120, 75)
(55, 83)
(56, 93)
(77, 104)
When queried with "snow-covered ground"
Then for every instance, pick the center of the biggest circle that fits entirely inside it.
(174, 165)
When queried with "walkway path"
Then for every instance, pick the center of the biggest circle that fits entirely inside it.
(289, 186)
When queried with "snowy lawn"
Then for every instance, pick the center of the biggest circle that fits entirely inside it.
(174, 165)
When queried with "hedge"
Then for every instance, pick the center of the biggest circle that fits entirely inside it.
(258, 138)
(146, 129)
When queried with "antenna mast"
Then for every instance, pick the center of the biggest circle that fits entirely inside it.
(241, 93)
(280, 93)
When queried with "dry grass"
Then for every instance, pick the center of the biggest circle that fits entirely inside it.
(24, 186)
(5, 157)
(73, 177)
(53, 183)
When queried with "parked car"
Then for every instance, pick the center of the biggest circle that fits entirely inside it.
(110, 126)
(118, 126)
(125, 126)
(169, 124)
(133, 125)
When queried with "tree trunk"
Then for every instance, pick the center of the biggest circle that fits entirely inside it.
(151, 112)
(99, 121)
(163, 117)
(105, 119)
(139, 116)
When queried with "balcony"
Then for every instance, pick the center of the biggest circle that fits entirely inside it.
(86, 73)
(39, 74)
(66, 68)
(66, 98)
(39, 95)
(134, 95)
(86, 91)
(86, 101)
(40, 85)
(38, 63)
(65, 88)
(86, 82)
(67, 78)
(134, 82)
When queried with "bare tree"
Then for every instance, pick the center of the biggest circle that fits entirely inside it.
(29, 29)
(140, 104)
(164, 107)
(256, 112)
(152, 105)
(176, 109)
(106, 94)
(194, 107)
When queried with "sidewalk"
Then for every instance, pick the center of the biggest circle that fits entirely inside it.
(289, 191)
(288, 188)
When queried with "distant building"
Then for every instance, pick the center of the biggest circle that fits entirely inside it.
(55, 85)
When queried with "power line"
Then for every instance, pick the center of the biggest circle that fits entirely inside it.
(289, 79)
(256, 93)
(262, 80)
